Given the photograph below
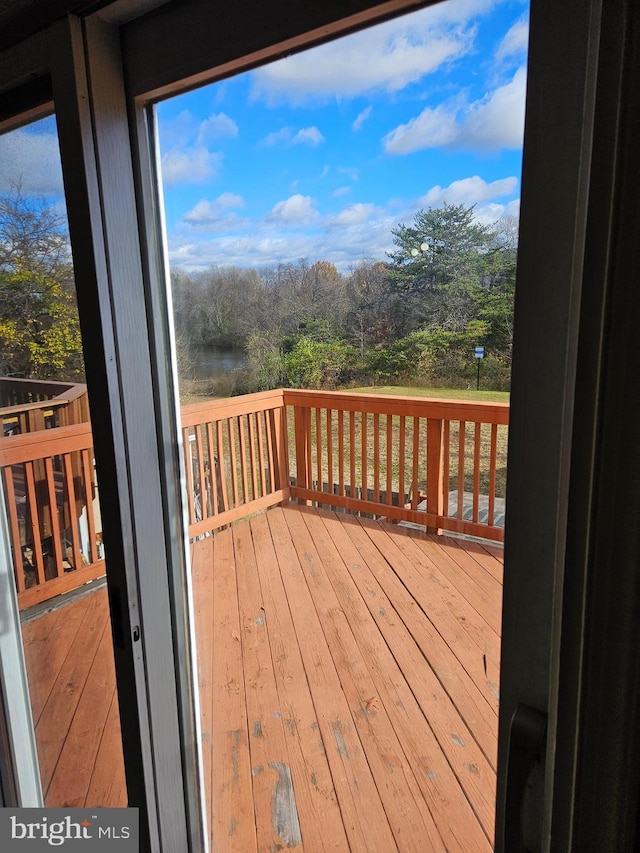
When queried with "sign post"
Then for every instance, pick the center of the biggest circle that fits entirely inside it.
(479, 357)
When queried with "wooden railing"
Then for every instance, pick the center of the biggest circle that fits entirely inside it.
(29, 405)
(438, 463)
(54, 517)
(236, 458)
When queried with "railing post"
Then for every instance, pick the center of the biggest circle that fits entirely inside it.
(435, 481)
(302, 426)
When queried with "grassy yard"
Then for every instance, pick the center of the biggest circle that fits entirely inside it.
(441, 393)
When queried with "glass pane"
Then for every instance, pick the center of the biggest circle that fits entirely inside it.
(346, 220)
(51, 490)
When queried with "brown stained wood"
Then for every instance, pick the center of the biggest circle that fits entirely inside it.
(67, 582)
(202, 583)
(274, 792)
(410, 822)
(107, 787)
(352, 454)
(232, 825)
(74, 769)
(401, 460)
(14, 530)
(34, 523)
(461, 468)
(55, 519)
(397, 671)
(202, 482)
(329, 434)
(475, 645)
(57, 715)
(242, 445)
(264, 460)
(415, 488)
(320, 816)
(364, 432)
(222, 466)
(476, 470)
(389, 457)
(213, 473)
(340, 416)
(233, 460)
(474, 582)
(355, 787)
(319, 446)
(464, 725)
(252, 462)
(47, 643)
(188, 461)
(72, 505)
(492, 473)
(376, 457)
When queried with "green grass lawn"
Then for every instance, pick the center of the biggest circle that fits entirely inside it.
(446, 393)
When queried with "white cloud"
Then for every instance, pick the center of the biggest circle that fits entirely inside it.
(431, 129)
(340, 191)
(308, 136)
(498, 120)
(191, 165)
(383, 58)
(205, 211)
(469, 191)
(30, 161)
(297, 210)
(217, 126)
(350, 172)
(287, 136)
(489, 214)
(515, 42)
(352, 215)
(361, 118)
(490, 123)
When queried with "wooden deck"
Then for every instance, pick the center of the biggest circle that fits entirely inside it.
(348, 675)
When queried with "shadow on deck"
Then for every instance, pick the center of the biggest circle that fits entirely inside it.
(348, 674)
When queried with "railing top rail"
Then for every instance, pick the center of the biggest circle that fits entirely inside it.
(55, 385)
(15, 449)
(198, 413)
(390, 404)
(56, 402)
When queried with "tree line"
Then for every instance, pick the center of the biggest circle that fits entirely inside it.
(415, 316)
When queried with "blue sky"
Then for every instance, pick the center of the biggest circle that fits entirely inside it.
(320, 155)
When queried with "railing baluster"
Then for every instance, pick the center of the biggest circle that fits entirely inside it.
(32, 506)
(437, 472)
(401, 460)
(55, 518)
(221, 471)
(376, 457)
(389, 453)
(233, 460)
(69, 488)
(251, 418)
(476, 471)
(329, 430)
(364, 451)
(492, 474)
(211, 459)
(243, 457)
(201, 475)
(319, 472)
(416, 454)
(14, 528)
(188, 463)
(341, 490)
(446, 465)
(353, 486)
(263, 462)
(461, 460)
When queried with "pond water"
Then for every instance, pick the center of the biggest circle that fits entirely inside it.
(210, 362)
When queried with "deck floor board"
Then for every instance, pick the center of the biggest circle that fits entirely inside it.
(347, 679)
